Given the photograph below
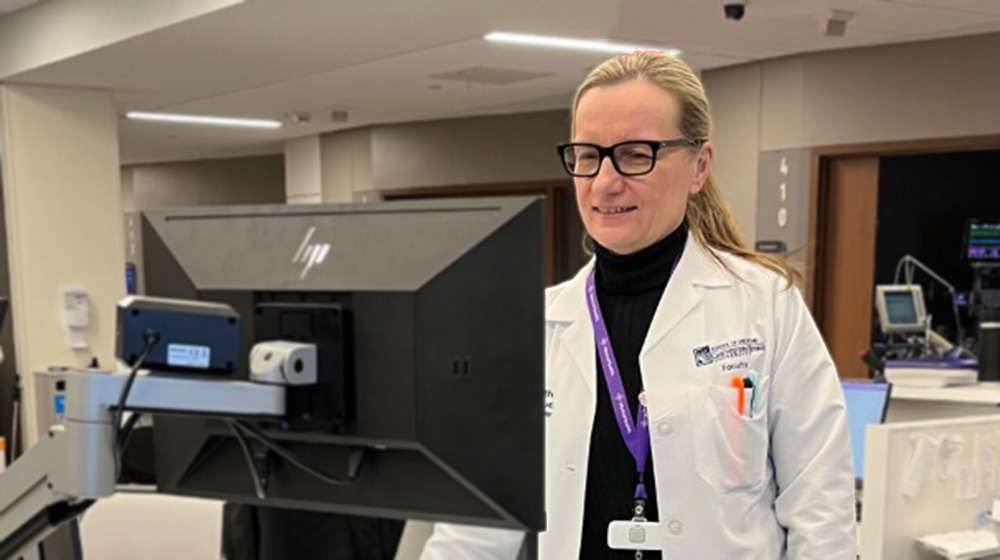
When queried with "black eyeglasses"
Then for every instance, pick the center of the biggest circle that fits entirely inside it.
(635, 157)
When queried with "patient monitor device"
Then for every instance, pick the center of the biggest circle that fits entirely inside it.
(901, 308)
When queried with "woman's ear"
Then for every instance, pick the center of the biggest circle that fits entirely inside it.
(703, 167)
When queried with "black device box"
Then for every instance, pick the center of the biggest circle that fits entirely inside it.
(191, 337)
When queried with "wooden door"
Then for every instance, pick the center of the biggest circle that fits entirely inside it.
(848, 213)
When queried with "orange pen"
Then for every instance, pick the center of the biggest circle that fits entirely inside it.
(737, 383)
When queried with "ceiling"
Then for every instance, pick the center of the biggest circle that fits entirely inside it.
(406, 60)
(11, 6)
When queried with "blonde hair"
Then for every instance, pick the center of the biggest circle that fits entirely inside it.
(708, 216)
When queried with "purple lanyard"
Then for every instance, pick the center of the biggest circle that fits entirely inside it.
(636, 436)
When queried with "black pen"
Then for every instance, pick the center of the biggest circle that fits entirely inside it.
(748, 384)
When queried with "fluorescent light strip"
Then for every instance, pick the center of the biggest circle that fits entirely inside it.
(196, 119)
(568, 43)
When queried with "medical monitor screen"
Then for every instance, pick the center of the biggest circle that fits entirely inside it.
(982, 241)
(866, 405)
(901, 308)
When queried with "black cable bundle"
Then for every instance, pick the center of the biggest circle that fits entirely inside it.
(241, 430)
(121, 434)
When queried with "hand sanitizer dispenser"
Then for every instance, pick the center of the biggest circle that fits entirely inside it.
(74, 307)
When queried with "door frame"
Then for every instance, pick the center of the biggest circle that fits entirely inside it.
(820, 185)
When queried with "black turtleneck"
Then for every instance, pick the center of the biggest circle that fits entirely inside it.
(629, 287)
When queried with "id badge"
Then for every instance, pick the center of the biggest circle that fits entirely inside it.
(637, 534)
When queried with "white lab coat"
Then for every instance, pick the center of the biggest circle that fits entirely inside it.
(777, 486)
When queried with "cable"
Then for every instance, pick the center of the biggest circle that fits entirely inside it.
(958, 322)
(151, 339)
(15, 421)
(15, 430)
(258, 484)
(355, 462)
(126, 432)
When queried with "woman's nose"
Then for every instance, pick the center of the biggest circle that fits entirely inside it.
(607, 180)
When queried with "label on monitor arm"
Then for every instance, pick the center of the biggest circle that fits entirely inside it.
(186, 355)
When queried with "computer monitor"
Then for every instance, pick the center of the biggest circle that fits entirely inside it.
(982, 242)
(428, 317)
(901, 308)
(866, 405)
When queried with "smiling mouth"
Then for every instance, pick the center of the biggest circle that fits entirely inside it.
(611, 210)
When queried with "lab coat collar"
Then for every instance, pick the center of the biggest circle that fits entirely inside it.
(697, 268)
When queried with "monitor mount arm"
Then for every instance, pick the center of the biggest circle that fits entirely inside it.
(906, 265)
(75, 463)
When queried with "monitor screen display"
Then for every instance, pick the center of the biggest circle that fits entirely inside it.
(866, 405)
(901, 308)
(982, 241)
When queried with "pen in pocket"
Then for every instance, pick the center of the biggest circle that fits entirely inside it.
(738, 383)
(750, 382)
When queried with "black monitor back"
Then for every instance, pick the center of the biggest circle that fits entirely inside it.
(436, 314)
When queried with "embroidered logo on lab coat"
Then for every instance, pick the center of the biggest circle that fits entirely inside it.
(739, 348)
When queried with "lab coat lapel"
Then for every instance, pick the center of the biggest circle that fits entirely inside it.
(570, 308)
(696, 269)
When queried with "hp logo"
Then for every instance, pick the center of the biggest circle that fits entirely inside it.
(310, 254)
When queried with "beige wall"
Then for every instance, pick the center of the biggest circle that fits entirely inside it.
(303, 170)
(921, 90)
(251, 180)
(63, 207)
(128, 189)
(782, 112)
(475, 150)
(494, 149)
(736, 99)
(346, 164)
(932, 89)
(935, 89)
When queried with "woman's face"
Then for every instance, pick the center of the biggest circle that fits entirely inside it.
(626, 214)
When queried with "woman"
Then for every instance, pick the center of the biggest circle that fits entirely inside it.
(733, 443)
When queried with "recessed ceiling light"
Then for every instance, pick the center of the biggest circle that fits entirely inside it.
(198, 119)
(570, 43)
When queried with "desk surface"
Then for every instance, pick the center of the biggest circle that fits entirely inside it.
(973, 394)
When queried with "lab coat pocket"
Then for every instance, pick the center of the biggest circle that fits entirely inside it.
(730, 449)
